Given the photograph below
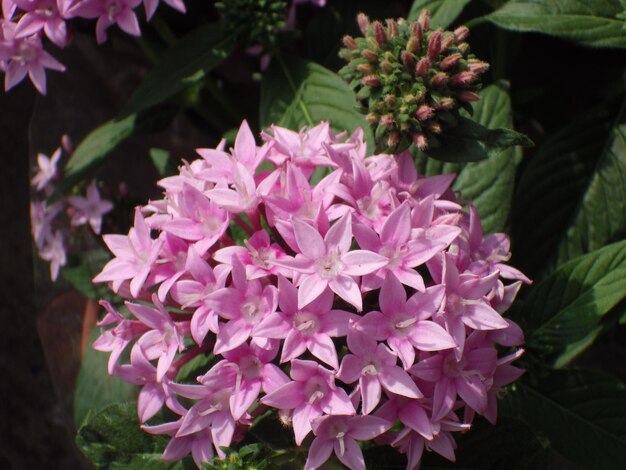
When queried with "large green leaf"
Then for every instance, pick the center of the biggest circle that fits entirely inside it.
(581, 413)
(600, 217)
(95, 388)
(442, 12)
(192, 55)
(560, 186)
(566, 308)
(489, 183)
(593, 22)
(112, 439)
(297, 93)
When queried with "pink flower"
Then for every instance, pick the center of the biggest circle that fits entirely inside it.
(308, 328)
(151, 6)
(53, 250)
(311, 394)
(47, 169)
(48, 15)
(340, 433)
(108, 13)
(24, 56)
(89, 209)
(326, 262)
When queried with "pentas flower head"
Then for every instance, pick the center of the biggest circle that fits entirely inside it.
(369, 298)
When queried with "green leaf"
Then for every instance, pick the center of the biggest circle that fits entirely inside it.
(112, 439)
(581, 413)
(163, 162)
(442, 12)
(568, 305)
(95, 388)
(80, 274)
(560, 187)
(600, 217)
(593, 23)
(489, 183)
(297, 93)
(187, 60)
(470, 141)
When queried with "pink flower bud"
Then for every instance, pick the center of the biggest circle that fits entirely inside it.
(463, 79)
(420, 141)
(349, 42)
(424, 112)
(387, 120)
(379, 33)
(67, 144)
(413, 45)
(364, 23)
(392, 28)
(424, 19)
(390, 100)
(369, 55)
(417, 32)
(461, 33)
(450, 61)
(422, 67)
(439, 80)
(407, 59)
(467, 96)
(371, 81)
(434, 45)
(447, 39)
(477, 66)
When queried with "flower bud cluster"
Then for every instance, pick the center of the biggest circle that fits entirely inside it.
(411, 80)
(368, 298)
(50, 223)
(256, 20)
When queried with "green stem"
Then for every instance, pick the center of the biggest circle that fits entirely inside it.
(164, 30)
(149, 51)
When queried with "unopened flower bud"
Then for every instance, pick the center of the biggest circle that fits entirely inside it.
(386, 66)
(446, 103)
(393, 139)
(420, 141)
(447, 39)
(450, 61)
(371, 81)
(407, 59)
(477, 66)
(422, 67)
(424, 19)
(463, 47)
(461, 33)
(365, 69)
(369, 55)
(392, 28)
(424, 112)
(417, 32)
(434, 127)
(387, 120)
(67, 144)
(434, 45)
(349, 42)
(413, 45)
(364, 23)
(467, 96)
(463, 79)
(379, 33)
(439, 80)
(372, 117)
(390, 100)
(409, 99)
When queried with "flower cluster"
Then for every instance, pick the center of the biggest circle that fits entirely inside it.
(411, 80)
(25, 23)
(50, 221)
(365, 299)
